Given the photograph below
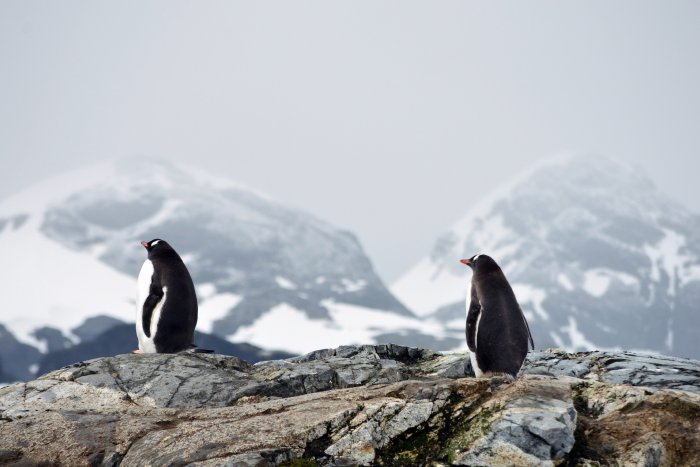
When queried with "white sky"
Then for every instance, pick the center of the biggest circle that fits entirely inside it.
(387, 118)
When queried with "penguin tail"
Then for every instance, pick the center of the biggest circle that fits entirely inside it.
(195, 349)
(529, 334)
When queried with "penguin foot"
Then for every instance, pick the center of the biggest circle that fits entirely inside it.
(195, 349)
(498, 378)
(137, 351)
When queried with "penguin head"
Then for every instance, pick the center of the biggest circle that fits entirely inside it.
(156, 246)
(479, 262)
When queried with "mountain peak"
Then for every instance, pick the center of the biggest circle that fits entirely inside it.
(261, 268)
(594, 253)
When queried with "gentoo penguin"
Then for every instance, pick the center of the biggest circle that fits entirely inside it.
(497, 331)
(166, 311)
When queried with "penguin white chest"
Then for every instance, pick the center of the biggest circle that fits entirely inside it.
(146, 343)
(144, 281)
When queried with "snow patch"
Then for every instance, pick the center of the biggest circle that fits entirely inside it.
(72, 286)
(691, 274)
(596, 282)
(205, 291)
(558, 342)
(353, 286)
(627, 279)
(188, 258)
(286, 327)
(667, 255)
(490, 236)
(285, 283)
(456, 324)
(427, 287)
(577, 340)
(41, 344)
(526, 293)
(565, 282)
(214, 308)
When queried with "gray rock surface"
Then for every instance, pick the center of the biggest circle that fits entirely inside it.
(652, 371)
(537, 427)
(355, 405)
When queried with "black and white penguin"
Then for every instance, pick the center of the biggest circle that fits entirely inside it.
(497, 331)
(166, 311)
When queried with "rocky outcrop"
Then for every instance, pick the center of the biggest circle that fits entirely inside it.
(120, 339)
(383, 405)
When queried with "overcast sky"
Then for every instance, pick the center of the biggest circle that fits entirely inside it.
(387, 118)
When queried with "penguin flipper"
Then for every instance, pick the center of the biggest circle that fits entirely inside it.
(154, 297)
(472, 319)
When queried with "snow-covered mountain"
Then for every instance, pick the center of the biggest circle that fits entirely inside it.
(266, 274)
(597, 257)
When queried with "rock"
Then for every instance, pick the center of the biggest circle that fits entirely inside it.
(537, 428)
(119, 339)
(355, 405)
(652, 371)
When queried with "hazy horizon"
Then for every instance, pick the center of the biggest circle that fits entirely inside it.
(387, 119)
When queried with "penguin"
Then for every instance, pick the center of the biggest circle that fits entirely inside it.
(166, 310)
(496, 329)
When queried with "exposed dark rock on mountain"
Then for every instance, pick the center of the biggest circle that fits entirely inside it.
(93, 327)
(17, 357)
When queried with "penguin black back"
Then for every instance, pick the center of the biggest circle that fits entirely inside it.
(497, 331)
(167, 309)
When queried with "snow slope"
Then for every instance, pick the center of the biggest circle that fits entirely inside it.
(289, 328)
(46, 284)
(73, 246)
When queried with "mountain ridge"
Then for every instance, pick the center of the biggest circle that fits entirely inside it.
(597, 257)
(592, 251)
(258, 265)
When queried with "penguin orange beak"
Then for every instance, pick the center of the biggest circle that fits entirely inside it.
(145, 244)
(465, 261)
